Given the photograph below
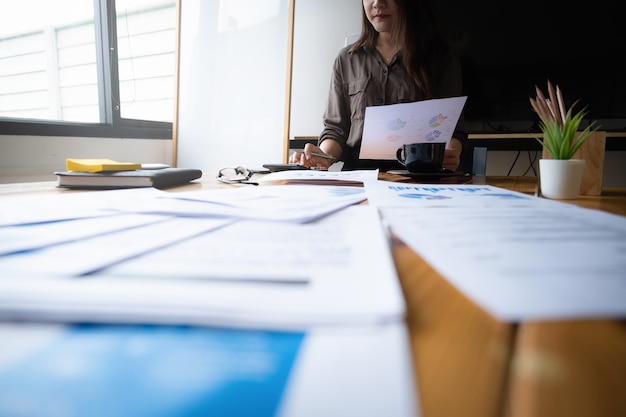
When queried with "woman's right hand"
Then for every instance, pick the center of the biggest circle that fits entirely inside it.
(308, 159)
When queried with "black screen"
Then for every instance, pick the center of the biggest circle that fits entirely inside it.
(506, 49)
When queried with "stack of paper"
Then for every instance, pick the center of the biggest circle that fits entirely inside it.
(252, 257)
(286, 283)
(320, 177)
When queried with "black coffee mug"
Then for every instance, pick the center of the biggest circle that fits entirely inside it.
(425, 157)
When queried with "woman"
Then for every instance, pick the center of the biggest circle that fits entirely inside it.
(398, 58)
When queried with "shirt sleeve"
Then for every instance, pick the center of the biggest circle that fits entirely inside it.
(337, 114)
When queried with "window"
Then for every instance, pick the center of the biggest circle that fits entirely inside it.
(103, 68)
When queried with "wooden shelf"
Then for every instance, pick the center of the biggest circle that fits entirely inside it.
(490, 136)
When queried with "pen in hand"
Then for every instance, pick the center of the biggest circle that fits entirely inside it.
(323, 155)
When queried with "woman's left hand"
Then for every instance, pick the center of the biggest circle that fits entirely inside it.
(452, 158)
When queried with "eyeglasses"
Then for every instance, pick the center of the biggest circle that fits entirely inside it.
(235, 175)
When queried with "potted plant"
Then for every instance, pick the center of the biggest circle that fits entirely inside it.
(561, 176)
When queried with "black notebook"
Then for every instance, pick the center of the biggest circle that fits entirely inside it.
(158, 178)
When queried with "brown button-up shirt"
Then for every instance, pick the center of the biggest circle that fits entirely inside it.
(361, 79)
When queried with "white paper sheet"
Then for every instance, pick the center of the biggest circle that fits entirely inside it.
(280, 203)
(67, 204)
(19, 238)
(519, 258)
(395, 194)
(386, 128)
(335, 271)
(321, 177)
(129, 236)
(289, 203)
(370, 368)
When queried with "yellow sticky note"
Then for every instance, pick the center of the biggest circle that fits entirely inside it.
(97, 165)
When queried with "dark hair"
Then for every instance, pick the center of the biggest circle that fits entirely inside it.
(422, 47)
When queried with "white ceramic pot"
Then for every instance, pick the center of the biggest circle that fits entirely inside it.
(560, 179)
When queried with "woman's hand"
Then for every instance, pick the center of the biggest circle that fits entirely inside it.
(308, 158)
(452, 157)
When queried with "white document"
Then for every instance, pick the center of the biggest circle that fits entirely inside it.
(396, 194)
(518, 258)
(282, 203)
(291, 203)
(129, 236)
(178, 368)
(337, 270)
(21, 238)
(370, 367)
(314, 176)
(386, 128)
(68, 204)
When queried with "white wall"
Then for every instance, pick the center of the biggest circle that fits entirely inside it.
(35, 158)
(233, 64)
(320, 31)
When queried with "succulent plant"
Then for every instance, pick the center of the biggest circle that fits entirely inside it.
(559, 125)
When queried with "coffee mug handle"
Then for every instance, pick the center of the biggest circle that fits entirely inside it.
(399, 155)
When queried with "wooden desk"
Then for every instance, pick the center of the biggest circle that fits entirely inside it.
(469, 364)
